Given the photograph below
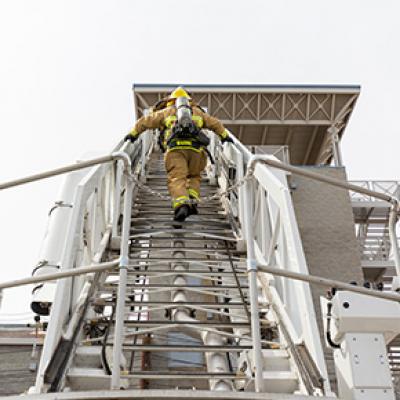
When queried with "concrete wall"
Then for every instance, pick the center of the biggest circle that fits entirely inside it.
(325, 219)
(15, 376)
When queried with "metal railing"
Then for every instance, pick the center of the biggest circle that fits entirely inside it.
(79, 231)
(390, 188)
(268, 224)
(280, 152)
(375, 249)
(266, 215)
(91, 217)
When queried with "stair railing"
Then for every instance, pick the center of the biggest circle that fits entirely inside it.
(269, 227)
(95, 210)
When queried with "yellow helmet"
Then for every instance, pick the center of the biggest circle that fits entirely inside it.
(178, 92)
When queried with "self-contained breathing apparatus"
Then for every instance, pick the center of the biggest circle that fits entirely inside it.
(185, 132)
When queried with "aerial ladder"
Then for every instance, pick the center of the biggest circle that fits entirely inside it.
(218, 306)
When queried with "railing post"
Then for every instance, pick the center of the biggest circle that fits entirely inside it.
(337, 156)
(252, 278)
(393, 238)
(241, 190)
(143, 156)
(123, 274)
(117, 197)
(214, 167)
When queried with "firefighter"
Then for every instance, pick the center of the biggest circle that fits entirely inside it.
(185, 156)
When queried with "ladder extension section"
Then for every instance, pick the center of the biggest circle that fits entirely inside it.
(186, 310)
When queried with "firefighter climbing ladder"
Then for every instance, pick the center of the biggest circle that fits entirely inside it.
(151, 309)
(187, 310)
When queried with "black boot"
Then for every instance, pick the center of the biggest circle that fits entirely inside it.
(181, 213)
(193, 209)
(193, 206)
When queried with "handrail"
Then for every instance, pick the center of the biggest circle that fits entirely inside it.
(268, 196)
(313, 279)
(394, 210)
(273, 186)
(312, 175)
(69, 168)
(82, 233)
(87, 269)
(331, 283)
(123, 277)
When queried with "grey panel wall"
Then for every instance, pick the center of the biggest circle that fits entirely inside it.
(15, 376)
(325, 218)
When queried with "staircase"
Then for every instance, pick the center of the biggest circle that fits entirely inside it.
(377, 262)
(187, 314)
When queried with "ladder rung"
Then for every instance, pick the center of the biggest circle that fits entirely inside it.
(214, 324)
(185, 348)
(221, 250)
(186, 303)
(166, 285)
(182, 375)
(186, 259)
(150, 273)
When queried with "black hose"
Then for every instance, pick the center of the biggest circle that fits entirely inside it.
(328, 328)
(104, 343)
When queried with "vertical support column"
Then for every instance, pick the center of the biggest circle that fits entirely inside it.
(145, 145)
(123, 274)
(241, 190)
(252, 278)
(117, 197)
(264, 220)
(337, 155)
(145, 138)
(394, 244)
(213, 170)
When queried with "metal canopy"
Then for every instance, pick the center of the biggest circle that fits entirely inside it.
(307, 119)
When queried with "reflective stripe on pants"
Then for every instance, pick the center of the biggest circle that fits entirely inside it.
(184, 168)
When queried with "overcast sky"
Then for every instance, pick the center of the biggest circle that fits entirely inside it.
(67, 68)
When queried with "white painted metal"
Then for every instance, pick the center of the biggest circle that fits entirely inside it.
(353, 312)
(68, 290)
(252, 278)
(268, 224)
(53, 241)
(362, 327)
(362, 368)
(123, 273)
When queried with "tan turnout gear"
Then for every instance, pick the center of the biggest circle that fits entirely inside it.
(184, 168)
(185, 158)
(164, 119)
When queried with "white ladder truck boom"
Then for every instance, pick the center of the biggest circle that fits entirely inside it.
(231, 304)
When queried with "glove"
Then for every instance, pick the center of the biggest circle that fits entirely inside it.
(227, 139)
(130, 137)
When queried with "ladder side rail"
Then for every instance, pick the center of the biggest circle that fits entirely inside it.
(295, 296)
(123, 276)
(74, 238)
(134, 151)
(236, 158)
(53, 242)
(59, 310)
(280, 215)
(252, 281)
(146, 143)
(262, 212)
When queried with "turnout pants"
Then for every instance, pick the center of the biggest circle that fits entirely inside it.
(184, 168)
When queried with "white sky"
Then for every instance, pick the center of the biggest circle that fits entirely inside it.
(67, 67)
